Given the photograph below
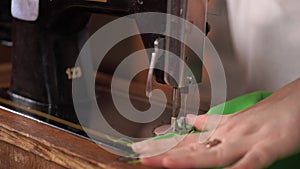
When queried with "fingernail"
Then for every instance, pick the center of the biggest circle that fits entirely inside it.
(191, 118)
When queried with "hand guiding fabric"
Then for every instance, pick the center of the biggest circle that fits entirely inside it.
(251, 138)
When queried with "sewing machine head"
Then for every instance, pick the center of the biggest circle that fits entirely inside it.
(49, 34)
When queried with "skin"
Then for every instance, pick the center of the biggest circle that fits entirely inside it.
(251, 139)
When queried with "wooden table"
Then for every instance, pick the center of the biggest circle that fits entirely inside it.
(28, 144)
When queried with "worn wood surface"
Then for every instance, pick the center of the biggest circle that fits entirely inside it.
(15, 158)
(28, 144)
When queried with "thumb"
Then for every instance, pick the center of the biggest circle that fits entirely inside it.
(197, 121)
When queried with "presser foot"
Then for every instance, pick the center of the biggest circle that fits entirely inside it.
(178, 125)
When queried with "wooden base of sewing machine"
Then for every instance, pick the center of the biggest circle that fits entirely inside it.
(25, 143)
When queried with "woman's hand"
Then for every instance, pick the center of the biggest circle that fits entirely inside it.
(251, 139)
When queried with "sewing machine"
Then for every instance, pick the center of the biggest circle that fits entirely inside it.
(48, 36)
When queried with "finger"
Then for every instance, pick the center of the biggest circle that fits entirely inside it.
(156, 147)
(260, 156)
(205, 122)
(154, 162)
(197, 155)
(197, 121)
(165, 160)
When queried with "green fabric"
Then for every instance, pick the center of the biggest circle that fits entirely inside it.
(239, 103)
(236, 105)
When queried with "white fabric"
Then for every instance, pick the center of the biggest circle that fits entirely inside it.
(266, 39)
(27, 10)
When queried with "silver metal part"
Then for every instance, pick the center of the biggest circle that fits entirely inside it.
(176, 102)
(150, 75)
(27, 10)
(188, 72)
(194, 12)
(156, 54)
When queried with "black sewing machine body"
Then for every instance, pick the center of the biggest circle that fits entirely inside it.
(45, 49)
